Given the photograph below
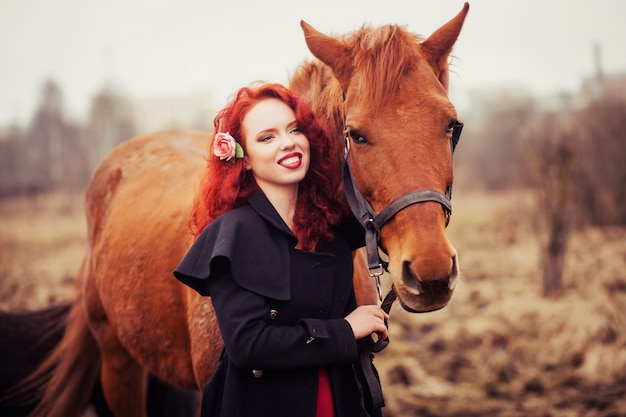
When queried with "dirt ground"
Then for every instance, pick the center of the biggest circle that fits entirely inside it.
(498, 349)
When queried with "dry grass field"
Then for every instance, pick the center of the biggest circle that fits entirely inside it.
(499, 348)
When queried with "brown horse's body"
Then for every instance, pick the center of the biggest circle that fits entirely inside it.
(139, 198)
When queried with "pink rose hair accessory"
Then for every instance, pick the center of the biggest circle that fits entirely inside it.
(226, 147)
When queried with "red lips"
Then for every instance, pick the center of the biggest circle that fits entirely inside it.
(291, 161)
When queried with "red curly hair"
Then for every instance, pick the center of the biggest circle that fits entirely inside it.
(227, 185)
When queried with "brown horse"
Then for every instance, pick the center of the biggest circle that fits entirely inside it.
(131, 316)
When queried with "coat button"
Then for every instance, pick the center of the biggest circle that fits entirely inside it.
(273, 314)
(257, 373)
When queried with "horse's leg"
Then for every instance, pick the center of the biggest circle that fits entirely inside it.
(123, 381)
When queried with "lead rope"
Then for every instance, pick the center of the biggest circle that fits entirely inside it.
(366, 355)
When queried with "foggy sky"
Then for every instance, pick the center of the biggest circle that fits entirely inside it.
(166, 47)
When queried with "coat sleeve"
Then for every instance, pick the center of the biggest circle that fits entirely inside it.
(252, 343)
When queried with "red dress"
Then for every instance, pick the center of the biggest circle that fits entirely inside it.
(324, 396)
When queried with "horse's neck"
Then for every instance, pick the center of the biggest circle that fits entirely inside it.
(318, 87)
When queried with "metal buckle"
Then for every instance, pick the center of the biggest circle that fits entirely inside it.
(376, 273)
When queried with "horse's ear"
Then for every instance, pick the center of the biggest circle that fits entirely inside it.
(438, 46)
(331, 51)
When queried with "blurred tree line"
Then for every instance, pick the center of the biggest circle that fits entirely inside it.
(574, 151)
(572, 147)
(571, 152)
(53, 152)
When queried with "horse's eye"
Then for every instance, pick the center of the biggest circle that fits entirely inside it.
(356, 137)
(453, 131)
(450, 127)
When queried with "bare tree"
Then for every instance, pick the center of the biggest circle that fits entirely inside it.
(54, 149)
(552, 155)
(110, 123)
(44, 143)
(496, 157)
(12, 179)
(602, 147)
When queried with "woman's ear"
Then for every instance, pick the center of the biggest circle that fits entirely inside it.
(246, 163)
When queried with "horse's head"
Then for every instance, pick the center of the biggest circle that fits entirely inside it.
(399, 121)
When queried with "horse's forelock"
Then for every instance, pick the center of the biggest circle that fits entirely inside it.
(384, 56)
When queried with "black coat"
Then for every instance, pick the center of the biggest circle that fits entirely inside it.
(281, 314)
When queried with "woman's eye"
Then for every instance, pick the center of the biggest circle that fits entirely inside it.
(265, 138)
(295, 130)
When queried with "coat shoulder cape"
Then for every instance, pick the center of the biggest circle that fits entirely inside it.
(253, 240)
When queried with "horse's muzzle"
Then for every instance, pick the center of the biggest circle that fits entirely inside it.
(420, 296)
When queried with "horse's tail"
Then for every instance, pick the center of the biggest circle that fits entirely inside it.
(76, 366)
(63, 383)
(27, 339)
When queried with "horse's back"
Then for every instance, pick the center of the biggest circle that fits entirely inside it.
(148, 168)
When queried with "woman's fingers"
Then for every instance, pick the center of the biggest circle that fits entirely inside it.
(368, 319)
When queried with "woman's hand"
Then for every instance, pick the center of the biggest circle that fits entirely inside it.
(368, 319)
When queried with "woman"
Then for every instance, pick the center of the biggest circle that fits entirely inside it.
(273, 252)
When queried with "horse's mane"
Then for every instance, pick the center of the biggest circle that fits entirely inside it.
(314, 81)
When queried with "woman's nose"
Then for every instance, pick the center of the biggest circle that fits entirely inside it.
(286, 141)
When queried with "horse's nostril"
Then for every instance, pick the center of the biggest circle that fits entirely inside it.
(454, 275)
(409, 278)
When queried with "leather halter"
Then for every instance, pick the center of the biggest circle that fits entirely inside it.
(373, 222)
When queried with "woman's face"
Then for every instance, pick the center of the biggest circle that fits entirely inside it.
(277, 152)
